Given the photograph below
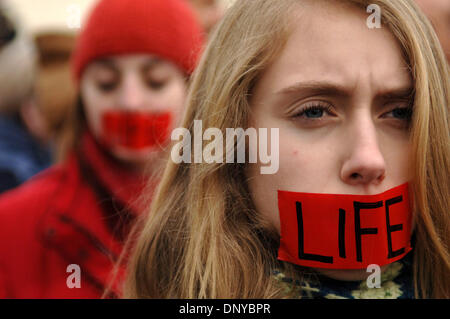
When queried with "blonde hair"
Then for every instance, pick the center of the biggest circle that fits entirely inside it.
(203, 237)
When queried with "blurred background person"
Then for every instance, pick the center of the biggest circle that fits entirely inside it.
(54, 89)
(23, 135)
(209, 12)
(54, 26)
(438, 11)
(131, 65)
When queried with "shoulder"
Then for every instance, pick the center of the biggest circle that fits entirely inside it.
(34, 197)
(8, 180)
(20, 153)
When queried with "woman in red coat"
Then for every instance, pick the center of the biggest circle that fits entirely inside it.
(62, 232)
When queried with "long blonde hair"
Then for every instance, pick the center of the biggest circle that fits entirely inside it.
(203, 237)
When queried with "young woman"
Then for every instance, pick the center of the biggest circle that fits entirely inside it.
(61, 233)
(360, 110)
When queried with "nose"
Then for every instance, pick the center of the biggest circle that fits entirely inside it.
(364, 163)
(131, 95)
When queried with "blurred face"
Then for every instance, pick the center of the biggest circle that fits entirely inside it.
(139, 84)
(209, 12)
(339, 94)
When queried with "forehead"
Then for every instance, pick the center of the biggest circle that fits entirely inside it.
(331, 41)
(119, 62)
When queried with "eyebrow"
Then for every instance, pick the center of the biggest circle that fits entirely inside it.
(315, 87)
(107, 63)
(397, 94)
(337, 90)
(151, 63)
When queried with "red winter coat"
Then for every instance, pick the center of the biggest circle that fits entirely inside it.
(74, 213)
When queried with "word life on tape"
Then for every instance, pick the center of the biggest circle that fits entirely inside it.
(340, 231)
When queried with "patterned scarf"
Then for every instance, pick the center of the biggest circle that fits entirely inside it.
(396, 283)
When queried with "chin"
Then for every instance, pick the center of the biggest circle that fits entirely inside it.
(346, 274)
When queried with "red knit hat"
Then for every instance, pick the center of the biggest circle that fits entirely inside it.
(166, 28)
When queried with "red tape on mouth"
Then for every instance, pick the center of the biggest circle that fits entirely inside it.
(135, 130)
(344, 231)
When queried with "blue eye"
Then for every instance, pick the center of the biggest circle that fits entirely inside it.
(313, 112)
(404, 113)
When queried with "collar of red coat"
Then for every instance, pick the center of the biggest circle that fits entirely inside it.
(79, 235)
(123, 184)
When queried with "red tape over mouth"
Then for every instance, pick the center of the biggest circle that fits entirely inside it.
(339, 231)
(135, 130)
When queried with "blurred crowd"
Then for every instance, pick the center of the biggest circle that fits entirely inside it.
(38, 94)
(85, 121)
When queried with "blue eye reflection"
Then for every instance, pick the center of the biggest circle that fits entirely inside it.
(315, 112)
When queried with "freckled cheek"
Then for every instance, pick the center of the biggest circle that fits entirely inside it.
(263, 190)
(399, 163)
(296, 173)
(301, 167)
(397, 156)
